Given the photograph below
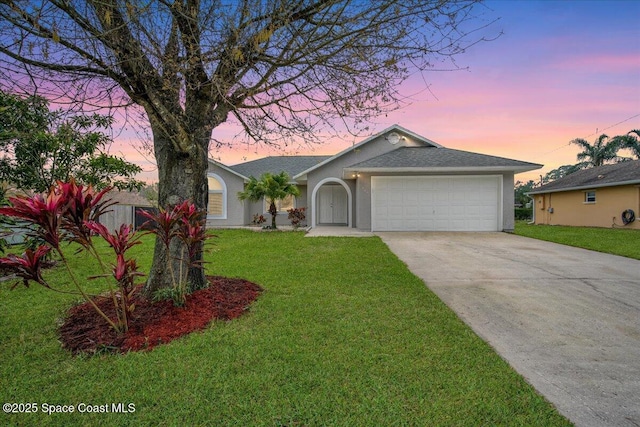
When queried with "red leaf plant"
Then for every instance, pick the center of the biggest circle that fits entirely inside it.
(186, 223)
(70, 212)
(43, 212)
(163, 224)
(192, 232)
(121, 241)
(84, 204)
(28, 266)
(124, 271)
(73, 209)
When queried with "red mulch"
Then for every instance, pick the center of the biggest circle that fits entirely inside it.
(85, 331)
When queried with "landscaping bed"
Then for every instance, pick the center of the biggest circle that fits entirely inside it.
(154, 323)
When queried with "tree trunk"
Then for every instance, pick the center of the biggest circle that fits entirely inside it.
(182, 176)
(274, 212)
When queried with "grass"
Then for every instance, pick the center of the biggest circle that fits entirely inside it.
(617, 241)
(343, 335)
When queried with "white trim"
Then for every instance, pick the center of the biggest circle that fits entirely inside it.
(227, 168)
(586, 197)
(466, 169)
(349, 200)
(224, 195)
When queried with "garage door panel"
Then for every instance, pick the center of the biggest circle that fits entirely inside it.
(395, 211)
(420, 203)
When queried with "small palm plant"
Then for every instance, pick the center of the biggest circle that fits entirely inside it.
(273, 188)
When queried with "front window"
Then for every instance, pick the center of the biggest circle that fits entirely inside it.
(217, 190)
(589, 196)
(283, 205)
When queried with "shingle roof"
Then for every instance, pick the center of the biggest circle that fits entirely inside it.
(122, 197)
(276, 164)
(394, 128)
(623, 173)
(440, 158)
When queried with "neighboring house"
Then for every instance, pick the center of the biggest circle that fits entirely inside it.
(393, 181)
(125, 210)
(604, 196)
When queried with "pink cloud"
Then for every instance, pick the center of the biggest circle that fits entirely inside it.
(602, 62)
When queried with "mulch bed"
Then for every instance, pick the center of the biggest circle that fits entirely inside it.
(154, 323)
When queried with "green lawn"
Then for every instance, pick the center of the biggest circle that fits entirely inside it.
(617, 241)
(343, 335)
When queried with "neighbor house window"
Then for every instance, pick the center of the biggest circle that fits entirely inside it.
(283, 205)
(216, 207)
(589, 196)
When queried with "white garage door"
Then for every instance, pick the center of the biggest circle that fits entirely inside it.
(425, 203)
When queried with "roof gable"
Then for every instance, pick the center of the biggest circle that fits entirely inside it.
(401, 131)
(123, 197)
(624, 173)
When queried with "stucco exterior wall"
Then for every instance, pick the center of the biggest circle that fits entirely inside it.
(235, 208)
(334, 169)
(363, 195)
(508, 214)
(570, 208)
(282, 218)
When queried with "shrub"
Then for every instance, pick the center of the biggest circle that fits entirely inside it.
(297, 217)
(258, 219)
(522, 214)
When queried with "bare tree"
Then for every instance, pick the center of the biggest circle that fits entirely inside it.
(280, 68)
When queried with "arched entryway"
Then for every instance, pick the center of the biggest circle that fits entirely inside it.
(331, 203)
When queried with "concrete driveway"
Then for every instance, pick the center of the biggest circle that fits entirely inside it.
(567, 319)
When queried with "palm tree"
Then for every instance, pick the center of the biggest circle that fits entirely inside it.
(273, 188)
(601, 152)
(630, 141)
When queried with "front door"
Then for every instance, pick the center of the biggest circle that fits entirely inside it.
(332, 202)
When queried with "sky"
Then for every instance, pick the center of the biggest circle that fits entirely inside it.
(560, 70)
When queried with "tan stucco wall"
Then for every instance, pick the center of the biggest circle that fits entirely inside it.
(569, 207)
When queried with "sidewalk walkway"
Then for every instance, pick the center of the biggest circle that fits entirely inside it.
(337, 231)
